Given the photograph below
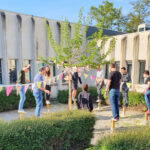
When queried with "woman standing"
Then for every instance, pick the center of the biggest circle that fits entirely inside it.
(48, 82)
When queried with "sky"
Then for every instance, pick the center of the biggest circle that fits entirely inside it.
(57, 9)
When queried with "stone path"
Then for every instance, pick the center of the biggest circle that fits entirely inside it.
(132, 119)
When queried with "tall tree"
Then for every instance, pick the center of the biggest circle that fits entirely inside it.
(71, 52)
(107, 16)
(139, 14)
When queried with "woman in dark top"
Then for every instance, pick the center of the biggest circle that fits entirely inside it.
(85, 99)
(75, 79)
(22, 80)
(48, 84)
(147, 90)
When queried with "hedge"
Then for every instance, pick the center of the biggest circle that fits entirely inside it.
(61, 131)
(12, 101)
(137, 139)
(63, 94)
(135, 98)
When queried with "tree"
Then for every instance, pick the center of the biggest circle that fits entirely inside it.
(70, 51)
(140, 13)
(107, 16)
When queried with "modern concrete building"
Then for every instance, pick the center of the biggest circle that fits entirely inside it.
(23, 38)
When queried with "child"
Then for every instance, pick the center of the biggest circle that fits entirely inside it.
(85, 99)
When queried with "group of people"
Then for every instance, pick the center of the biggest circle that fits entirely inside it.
(84, 100)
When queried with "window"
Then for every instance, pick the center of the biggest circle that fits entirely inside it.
(25, 63)
(38, 65)
(141, 29)
(0, 72)
(117, 66)
(12, 66)
(106, 71)
(129, 68)
(59, 32)
(141, 70)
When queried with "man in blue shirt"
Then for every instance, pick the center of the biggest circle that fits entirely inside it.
(37, 90)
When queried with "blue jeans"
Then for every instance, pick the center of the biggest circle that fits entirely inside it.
(114, 102)
(22, 98)
(39, 102)
(147, 99)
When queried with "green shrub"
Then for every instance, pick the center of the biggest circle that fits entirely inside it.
(63, 94)
(61, 131)
(137, 139)
(12, 101)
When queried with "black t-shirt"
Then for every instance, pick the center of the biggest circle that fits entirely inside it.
(22, 77)
(115, 77)
(147, 80)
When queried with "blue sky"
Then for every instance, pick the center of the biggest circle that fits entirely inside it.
(56, 9)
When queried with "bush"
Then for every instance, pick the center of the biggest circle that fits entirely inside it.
(137, 139)
(63, 94)
(12, 101)
(61, 131)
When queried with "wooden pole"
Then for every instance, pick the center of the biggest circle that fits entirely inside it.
(70, 92)
(21, 116)
(146, 119)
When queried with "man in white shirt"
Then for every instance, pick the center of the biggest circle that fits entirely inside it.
(99, 82)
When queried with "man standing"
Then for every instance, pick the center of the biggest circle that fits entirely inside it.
(113, 85)
(147, 90)
(99, 82)
(22, 80)
(37, 90)
(75, 78)
(125, 89)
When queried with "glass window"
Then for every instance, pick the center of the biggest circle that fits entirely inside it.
(117, 66)
(0, 72)
(106, 71)
(38, 65)
(129, 68)
(28, 75)
(59, 32)
(141, 70)
(12, 66)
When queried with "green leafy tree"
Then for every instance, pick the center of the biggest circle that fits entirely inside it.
(77, 50)
(107, 16)
(140, 13)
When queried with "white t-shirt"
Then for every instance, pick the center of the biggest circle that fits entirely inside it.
(100, 74)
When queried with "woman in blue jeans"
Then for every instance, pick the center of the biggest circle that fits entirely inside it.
(22, 80)
(113, 85)
(147, 90)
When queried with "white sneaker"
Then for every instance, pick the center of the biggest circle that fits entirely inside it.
(47, 102)
(22, 111)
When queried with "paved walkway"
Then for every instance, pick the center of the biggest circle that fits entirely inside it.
(132, 119)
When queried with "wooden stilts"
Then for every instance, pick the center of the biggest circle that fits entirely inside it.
(74, 103)
(21, 116)
(146, 119)
(112, 125)
(99, 104)
(123, 111)
(48, 107)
